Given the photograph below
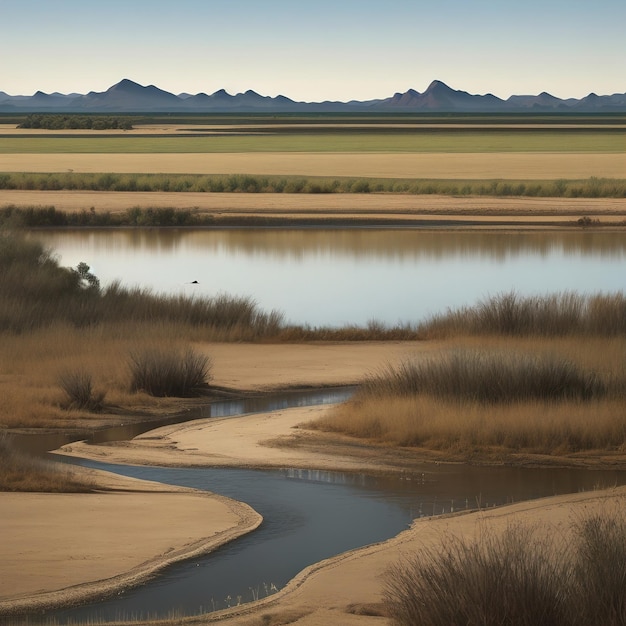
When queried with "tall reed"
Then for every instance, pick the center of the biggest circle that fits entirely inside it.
(566, 313)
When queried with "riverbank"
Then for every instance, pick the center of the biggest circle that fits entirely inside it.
(340, 209)
(105, 540)
(61, 549)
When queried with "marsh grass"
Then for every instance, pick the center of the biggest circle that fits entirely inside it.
(78, 387)
(35, 292)
(21, 472)
(488, 378)
(510, 314)
(526, 575)
(593, 187)
(487, 401)
(493, 580)
(170, 373)
(600, 569)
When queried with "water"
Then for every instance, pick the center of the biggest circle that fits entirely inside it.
(332, 278)
(349, 276)
(310, 515)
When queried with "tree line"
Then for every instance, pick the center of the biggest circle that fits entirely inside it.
(65, 122)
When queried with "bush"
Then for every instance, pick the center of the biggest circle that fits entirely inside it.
(78, 388)
(495, 580)
(169, 373)
(520, 577)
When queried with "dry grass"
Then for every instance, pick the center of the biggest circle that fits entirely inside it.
(526, 575)
(501, 419)
(469, 166)
(511, 314)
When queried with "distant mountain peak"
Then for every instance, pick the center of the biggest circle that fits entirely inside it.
(439, 86)
(130, 96)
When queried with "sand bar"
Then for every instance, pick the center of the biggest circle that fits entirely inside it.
(62, 548)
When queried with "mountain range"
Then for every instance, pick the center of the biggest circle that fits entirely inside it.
(130, 97)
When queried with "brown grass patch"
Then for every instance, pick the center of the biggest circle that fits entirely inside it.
(465, 427)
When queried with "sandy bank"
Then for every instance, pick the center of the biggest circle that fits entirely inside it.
(349, 208)
(47, 534)
(347, 589)
(61, 548)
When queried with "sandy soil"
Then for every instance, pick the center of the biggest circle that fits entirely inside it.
(347, 589)
(346, 208)
(512, 166)
(48, 534)
(60, 548)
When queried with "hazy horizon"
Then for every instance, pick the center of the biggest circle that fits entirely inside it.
(342, 50)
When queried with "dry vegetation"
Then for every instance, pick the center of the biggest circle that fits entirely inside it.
(548, 376)
(527, 575)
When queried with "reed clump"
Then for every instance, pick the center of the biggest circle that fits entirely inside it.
(511, 314)
(169, 373)
(79, 391)
(480, 403)
(525, 575)
(488, 378)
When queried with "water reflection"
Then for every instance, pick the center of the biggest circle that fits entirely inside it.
(310, 515)
(350, 276)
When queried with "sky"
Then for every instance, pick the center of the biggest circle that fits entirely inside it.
(315, 50)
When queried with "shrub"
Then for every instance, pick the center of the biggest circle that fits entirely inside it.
(519, 577)
(78, 388)
(495, 580)
(167, 373)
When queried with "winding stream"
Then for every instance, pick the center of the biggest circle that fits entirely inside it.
(309, 515)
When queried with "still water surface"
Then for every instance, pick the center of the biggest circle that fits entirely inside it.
(309, 515)
(349, 276)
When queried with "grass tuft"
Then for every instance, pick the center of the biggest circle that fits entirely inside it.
(488, 377)
(523, 576)
(169, 373)
(78, 388)
(559, 314)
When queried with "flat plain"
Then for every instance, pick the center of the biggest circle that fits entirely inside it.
(342, 590)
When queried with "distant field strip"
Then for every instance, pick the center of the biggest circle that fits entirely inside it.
(527, 140)
(510, 166)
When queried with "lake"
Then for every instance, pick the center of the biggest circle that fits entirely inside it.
(333, 277)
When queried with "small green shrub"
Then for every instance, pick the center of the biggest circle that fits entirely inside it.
(169, 373)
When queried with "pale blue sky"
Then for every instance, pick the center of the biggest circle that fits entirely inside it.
(315, 50)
